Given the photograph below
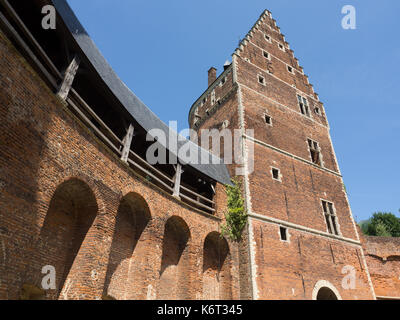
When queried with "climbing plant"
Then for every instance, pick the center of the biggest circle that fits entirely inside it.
(236, 216)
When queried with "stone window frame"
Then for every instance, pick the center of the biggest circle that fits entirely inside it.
(329, 222)
(324, 283)
(266, 114)
(303, 103)
(213, 97)
(290, 69)
(280, 176)
(268, 57)
(319, 149)
(281, 47)
(225, 124)
(288, 235)
(259, 77)
(222, 82)
(267, 38)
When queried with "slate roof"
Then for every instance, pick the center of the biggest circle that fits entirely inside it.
(137, 109)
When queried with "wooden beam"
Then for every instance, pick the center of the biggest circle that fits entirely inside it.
(68, 78)
(127, 141)
(31, 39)
(27, 51)
(177, 183)
(213, 189)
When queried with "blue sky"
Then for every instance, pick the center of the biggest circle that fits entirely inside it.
(163, 49)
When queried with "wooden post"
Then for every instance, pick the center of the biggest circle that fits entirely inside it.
(127, 141)
(213, 189)
(68, 78)
(177, 184)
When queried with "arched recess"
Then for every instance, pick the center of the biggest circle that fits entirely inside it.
(130, 250)
(216, 268)
(175, 272)
(324, 290)
(63, 237)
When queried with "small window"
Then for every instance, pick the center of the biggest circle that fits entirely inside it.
(280, 45)
(213, 97)
(290, 69)
(276, 174)
(303, 104)
(317, 111)
(267, 55)
(261, 80)
(284, 233)
(225, 124)
(268, 38)
(222, 81)
(268, 119)
(330, 217)
(315, 152)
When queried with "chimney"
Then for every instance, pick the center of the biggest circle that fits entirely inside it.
(227, 64)
(212, 75)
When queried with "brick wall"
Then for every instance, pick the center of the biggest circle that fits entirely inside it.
(67, 201)
(312, 258)
(383, 258)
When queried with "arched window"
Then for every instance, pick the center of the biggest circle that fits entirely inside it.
(324, 290)
(326, 294)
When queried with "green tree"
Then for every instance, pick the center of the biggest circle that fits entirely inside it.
(383, 224)
(236, 217)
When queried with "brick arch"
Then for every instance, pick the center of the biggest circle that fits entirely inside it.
(176, 264)
(324, 290)
(67, 234)
(216, 278)
(56, 181)
(129, 257)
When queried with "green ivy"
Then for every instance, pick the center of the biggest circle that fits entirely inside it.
(236, 217)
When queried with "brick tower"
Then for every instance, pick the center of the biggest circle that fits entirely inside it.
(301, 241)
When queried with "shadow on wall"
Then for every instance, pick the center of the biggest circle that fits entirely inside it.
(326, 294)
(126, 272)
(216, 268)
(62, 241)
(175, 273)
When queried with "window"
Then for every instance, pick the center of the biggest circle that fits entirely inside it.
(222, 81)
(261, 80)
(266, 55)
(330, 217)
(284, 234)
(268, 38)
(268, 119)
(303, 104)
(213, 97)
(317, 111)
(290, 69)
(225, 124)
(280, 45)
(276, 174)
(314, 152)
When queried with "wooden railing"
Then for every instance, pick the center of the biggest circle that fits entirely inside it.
(79, 107)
